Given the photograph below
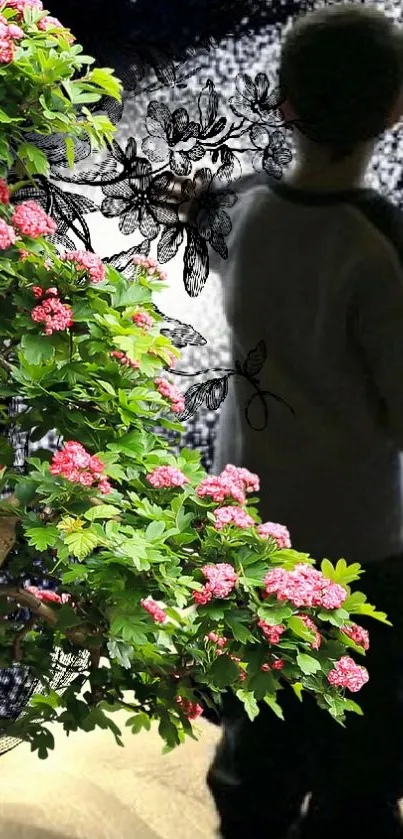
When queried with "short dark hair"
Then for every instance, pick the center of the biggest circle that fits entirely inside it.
(341, 70)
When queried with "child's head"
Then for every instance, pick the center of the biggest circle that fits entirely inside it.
(341, 76)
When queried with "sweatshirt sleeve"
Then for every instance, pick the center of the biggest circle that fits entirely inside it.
(378, 318)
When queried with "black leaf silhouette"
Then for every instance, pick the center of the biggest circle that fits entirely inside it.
(217, 391)
(212, 393)
(182, 334)
(208, 105)
(195, 263)
(123, 261)
(255, 360)
(169, 243)
(215, 129)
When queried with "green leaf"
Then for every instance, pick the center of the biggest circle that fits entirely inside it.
(271, 701)
(224, 671)
(42, 537)
(121, 652)
(275, 614)
(299, 629)
(239, 630)
(51, 699)
(308, 664)
(36, 349)
(35, 160)
(249, 702)
(81, 543)
(154, 531)
(371, 612)
(70, 149)
(298, 690)
(102, 511)
(138, 722)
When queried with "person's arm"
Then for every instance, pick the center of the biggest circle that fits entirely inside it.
(378, 330)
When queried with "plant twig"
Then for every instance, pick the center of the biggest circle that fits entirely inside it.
(17, 651)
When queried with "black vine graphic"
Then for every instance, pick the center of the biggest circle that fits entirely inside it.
(213, 392)
(176, 186)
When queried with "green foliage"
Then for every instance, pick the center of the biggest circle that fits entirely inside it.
(110, 552)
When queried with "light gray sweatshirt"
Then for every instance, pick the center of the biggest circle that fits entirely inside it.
(318, 278)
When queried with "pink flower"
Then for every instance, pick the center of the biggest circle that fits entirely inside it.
(4, 192)
(154, 610)
(104, 486)
(348, 674)
(310, 624)
(31, 220)
(221, 581)
(172, 393)
(231, 483)
(7, 235)
(20, 5)
(54, 314)
(171, 359)
(89, 262)
(249, 480)
(232, 515)
(219, 640)
(96, 465)
(166, 476)
(357, 634)
(304, 586)
(123, 359)
(278, 664)
(15, 32)
(75, 464)
(23, 254)
(272, 633)
(143, 319)
(277, 532)
(151, 267)
(192, 710)
(44, 595)
(6, 50)
(37, 291)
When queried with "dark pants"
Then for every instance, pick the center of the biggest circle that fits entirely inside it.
(264, 770)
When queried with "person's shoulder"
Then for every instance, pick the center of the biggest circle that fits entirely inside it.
(378, 224)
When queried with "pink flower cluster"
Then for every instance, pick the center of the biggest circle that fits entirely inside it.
(310, 624)
(272, 633)
(31, 220)
(219, 640)
(233, 483)
(348, 674)
(8, 34)
(4, 191)
(232, 515)
(125, 360)
(166, 476)
(278, 532)
(172, 393)
(20, 5)
(55, 315)
(49, 22)
(192, 710)
(151, 266)
(7, 235)
(46, 596)
(221, 581)
(304, 586)
(357, 634)
(78, 466)
(277, 664)
(89, 262)
(143, 319)
(154, 610)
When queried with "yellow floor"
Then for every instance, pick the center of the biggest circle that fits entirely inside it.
(89, 788)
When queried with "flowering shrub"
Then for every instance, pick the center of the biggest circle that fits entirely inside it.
(165, 575)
